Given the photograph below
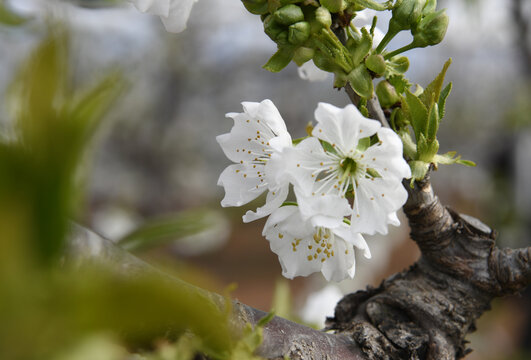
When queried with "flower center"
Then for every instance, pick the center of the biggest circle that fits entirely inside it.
(321, 248)
(348, 166)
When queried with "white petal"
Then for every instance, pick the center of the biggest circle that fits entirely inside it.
(341, 265)
(386, 158)
(177, 17)
(303, 161)
(308, 71)
(267, 112)
(273, 201)
(355, 239)
(373, 202)
(326, 211)
(343, 127)
(155, 7)
(239, 190)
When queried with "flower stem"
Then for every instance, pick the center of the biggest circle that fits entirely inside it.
(399, 51)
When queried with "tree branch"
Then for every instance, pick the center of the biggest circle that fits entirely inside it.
(281, 337)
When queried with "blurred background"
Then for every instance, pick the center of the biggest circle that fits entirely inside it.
(156, 155)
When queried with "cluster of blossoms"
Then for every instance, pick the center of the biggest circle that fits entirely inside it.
(345, 180)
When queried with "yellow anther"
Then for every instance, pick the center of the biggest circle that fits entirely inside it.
(280, 236)
(332, 253)
(323, 259)
(310, 258)
(319, 250)
(310, 247)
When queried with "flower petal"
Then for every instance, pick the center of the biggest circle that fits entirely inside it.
(155, 7)
(342, 264)
(274, 200)
(343, 128)
(323, 210)
(177, 16)
(386, 156)
(308, 71)
(374, 201)
(239, 189)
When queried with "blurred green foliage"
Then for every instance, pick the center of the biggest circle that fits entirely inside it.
(50, 309)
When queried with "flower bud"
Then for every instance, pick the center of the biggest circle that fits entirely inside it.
(386, 94)
(299, 32)
(406, 15)
(431, 29)
(288, 14)
(272, 28)
(323, 17)
(375, 63)
(257, 7)
(334, 6)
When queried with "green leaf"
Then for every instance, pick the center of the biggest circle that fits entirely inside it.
(8, 17)
(399, 82)
(360, 49)
(433, 122)
(442, 100)
(361, 81)
(280, 59)
(433, 90)
(410, 148)
(426, 149)
(167, 229)
(417, 113)
(466, 163)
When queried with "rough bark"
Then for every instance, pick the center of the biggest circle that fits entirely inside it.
(426, 311)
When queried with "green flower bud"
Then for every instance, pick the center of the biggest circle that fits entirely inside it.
(323, 17)
(257, 7)
(302, 55)
(299, 32)
(431, 29)
(272, 28)
(406, 15)
(400, 64)
(386, 94)
(288, 14)
(334, 6)
(375, 63)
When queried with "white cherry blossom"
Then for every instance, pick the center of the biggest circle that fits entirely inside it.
(255, 144)
(303, 248)
(173, 13)
(308, 71)
(350, 167)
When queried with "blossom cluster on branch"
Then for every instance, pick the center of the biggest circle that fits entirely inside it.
(323, 191)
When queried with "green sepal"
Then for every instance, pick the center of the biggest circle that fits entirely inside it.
(363, 144)
(376, 64)
(361, 81)
(257, 7)
(359, 48)
(417, 113)
(442, 99)
(280, 59)
(298, 140)
(433, 90)
(430, 7)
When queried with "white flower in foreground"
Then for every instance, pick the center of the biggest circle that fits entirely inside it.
(304, 249)
(173, 13)
(255, 145)
(351, 167)
(308, 71)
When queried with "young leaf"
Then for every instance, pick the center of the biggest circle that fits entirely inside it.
(360, 49)
(433, 122)
(442, 100)
(361, 81)
(433, 91)
(417, 112)
(280, 59)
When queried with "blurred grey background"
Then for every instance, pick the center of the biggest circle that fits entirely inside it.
(156, 153)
